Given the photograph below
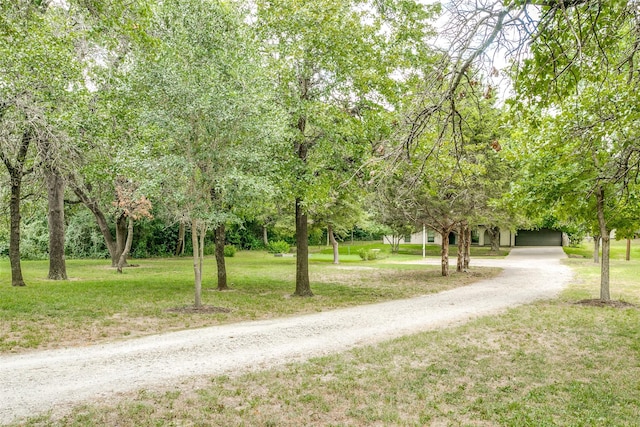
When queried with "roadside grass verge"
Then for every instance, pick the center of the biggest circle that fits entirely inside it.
(97, 304)
(544, 364)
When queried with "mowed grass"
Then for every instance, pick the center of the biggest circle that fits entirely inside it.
(431, 250)
(624, 275)
(97, 304)
(552, 363)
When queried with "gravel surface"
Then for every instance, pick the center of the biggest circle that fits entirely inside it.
(37, 382)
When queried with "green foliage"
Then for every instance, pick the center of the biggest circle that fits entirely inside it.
(576, 234)
(576, 115)
(369, 254)
(336, 66)
(83, 238)
(153, 237)
(279, 247)
(34, 240)
(588, 43)
(209, 248)
(208, 100)
(247, 235)
(368, 231)
(230, 251)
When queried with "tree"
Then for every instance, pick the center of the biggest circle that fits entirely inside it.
(37, 92)
(208, 103)
(574, 165)
(17, 169)
(45, 49)
(454, 174)
(112, 148)
(588, 100)
(333, 58)
(339, 214)
(55, 219)
(133, 207)
(564, 52)
(110, 143)
(337, 197)
(389, 209)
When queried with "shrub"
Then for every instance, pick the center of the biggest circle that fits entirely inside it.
(209, 249)
(229, 250)
(279, 247)
(34, 240)
(368, 254)
(247, 235)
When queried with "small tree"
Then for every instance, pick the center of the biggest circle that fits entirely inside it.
(132, 207)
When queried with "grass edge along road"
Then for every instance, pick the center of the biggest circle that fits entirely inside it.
(549, 363)
(98, 305)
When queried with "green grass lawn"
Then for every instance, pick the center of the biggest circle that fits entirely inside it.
(618, 250)
(431, 250)
(97, 304)
(624, 275)
(552, 363)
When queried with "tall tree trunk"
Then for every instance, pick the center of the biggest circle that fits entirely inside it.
(444, 253)
(55, 195)
(16, 173)
(265, 236)
(494, 236)
(197, 241)
(334, 243)
(606, 238)
(301, 150)
(121, 237)
(14, 234)
(467, 248)
(219, 233)
(596, 248)
(461, 245)
(93, 206)
(628, 256)
(303, 286)
(604, 269)
(122, 261)
(181, 234)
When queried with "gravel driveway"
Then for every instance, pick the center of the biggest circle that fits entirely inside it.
(36, 382)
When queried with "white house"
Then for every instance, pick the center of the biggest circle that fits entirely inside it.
(480, 236)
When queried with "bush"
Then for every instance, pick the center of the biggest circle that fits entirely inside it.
(154, 238)
(34, 239)
(229, 250)
(279, 247)
(247, 235)
(209, 249)
(369, 254)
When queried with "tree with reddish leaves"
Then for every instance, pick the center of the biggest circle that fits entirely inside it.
(131, 206)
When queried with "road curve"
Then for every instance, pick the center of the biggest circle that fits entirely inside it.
(37, 382)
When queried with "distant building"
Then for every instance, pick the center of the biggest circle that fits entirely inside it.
(481, 237)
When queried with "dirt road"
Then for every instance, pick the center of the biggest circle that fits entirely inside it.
(36, 382)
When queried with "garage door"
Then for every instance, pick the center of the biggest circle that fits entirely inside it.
(542, 237)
